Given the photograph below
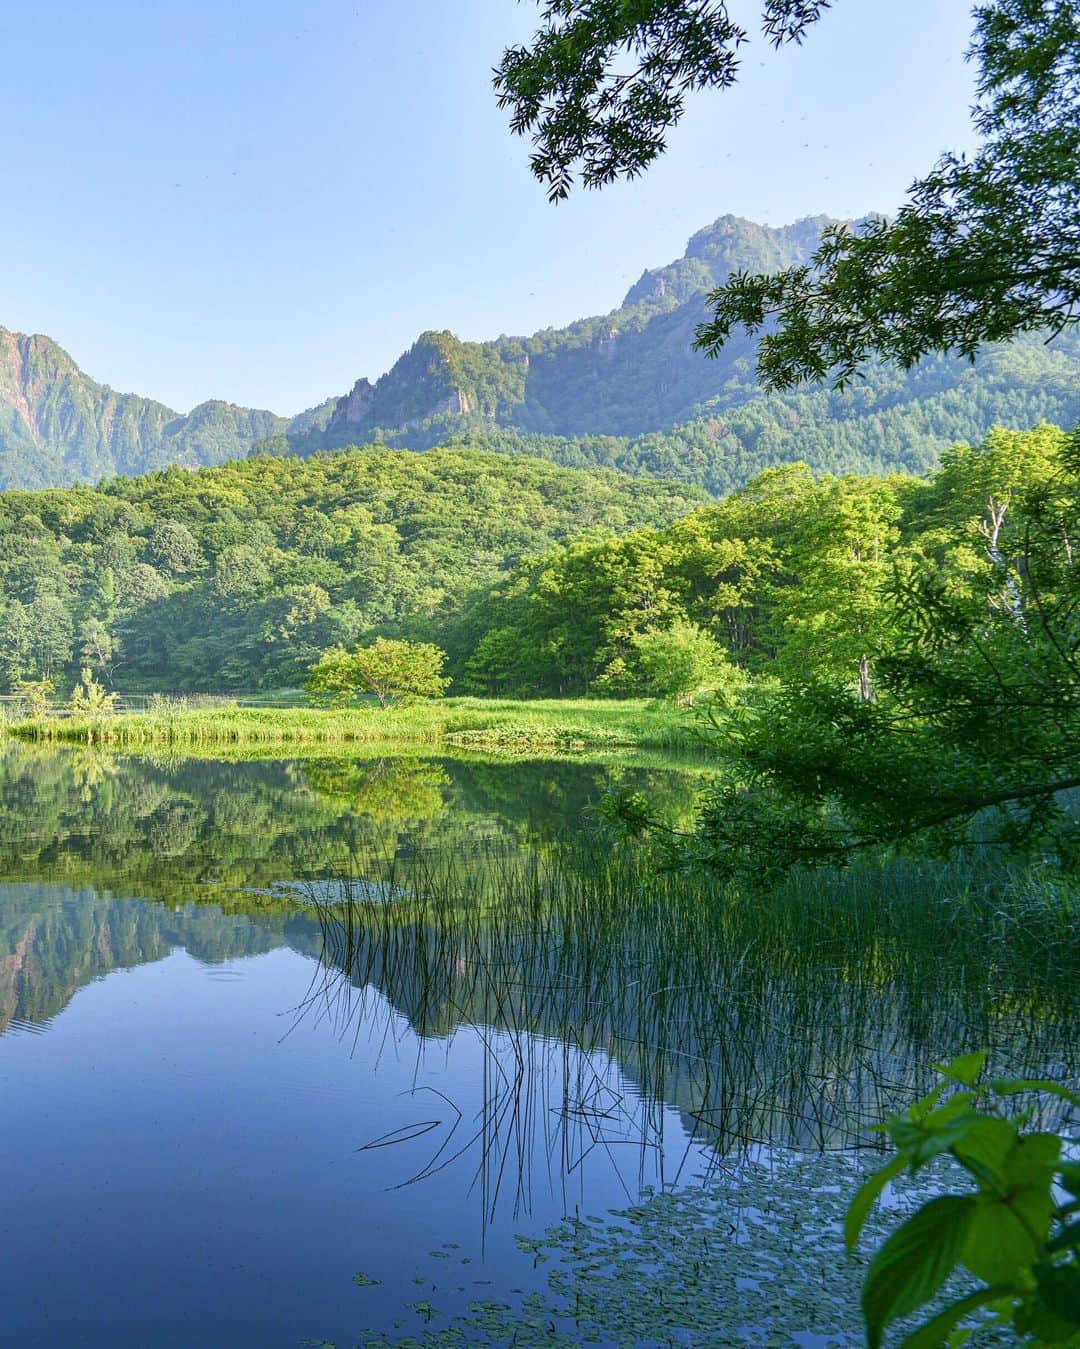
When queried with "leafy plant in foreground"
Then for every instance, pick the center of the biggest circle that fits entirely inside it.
(1006, 1227)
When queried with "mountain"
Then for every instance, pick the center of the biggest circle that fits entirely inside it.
(628, 390)
(629, 371)
(58, 426)
(624, 390)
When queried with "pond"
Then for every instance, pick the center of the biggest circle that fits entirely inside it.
(290, 1049)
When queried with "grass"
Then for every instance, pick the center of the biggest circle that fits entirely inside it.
(484, 724)
(793, 1018)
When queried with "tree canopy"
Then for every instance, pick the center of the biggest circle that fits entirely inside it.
(906, 650)
(391, 671)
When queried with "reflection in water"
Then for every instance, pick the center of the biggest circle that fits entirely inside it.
(607, 998)
(179, 829)
(54, 940)
(451, 1022)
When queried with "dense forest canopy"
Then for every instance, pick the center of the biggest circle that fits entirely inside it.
(790, 574)
(888, 656)
(237, 577)
(537, 580)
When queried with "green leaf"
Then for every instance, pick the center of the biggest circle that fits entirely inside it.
(984, 1147)
(859, 1209)
(1059, 1288)
(918, 1109)
(933, 1334)
(1035, 1318)
(920, 1141)
(1013, 1086)
(966, 1068)
(1033, 1160)
(914, 1262)
(998, 1245)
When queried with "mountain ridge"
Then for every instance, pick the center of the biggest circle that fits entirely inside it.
(61, 426)
(629, 378)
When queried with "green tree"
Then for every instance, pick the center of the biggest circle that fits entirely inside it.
(98, 647)
(394, 671)
(36, 694)
(604, 80)
(975, 729)
(50, 636)
(15, 642)
(682, 662)
(173, 548)
(90, 698)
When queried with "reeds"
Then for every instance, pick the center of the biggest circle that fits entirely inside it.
(609, 995)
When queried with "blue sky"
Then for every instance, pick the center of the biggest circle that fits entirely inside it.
(263, 201)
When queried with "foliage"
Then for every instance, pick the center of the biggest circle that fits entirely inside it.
(681, 662)
(604, 80)
(911, 648)
(237, 578)
(393, 671)
(1006, 1228)
(90, 698)
(482, 724)
(985, 248)
(972, 728)
(785, 575)
(35, 694)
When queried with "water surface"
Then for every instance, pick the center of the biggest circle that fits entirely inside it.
(237, 1109)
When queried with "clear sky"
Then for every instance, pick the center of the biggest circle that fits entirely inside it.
(261, 201)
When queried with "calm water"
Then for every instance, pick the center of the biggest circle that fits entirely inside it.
(220, 1103)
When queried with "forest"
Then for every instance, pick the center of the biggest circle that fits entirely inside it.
(538, 581)
(236, 578)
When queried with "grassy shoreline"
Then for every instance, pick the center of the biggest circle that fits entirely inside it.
(464, 723)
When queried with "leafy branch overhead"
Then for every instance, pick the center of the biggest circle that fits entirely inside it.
(983, 248)
(605, 80)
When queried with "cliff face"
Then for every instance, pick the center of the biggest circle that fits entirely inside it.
(623, 373)
(59, 426)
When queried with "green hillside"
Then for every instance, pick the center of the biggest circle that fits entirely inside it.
(236, 577)
(58, 426)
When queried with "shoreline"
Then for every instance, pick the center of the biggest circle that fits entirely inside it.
(484, 724)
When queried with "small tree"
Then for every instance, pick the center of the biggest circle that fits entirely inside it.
(393, 671)
(682, 662)
(36, 693)
(91, 698)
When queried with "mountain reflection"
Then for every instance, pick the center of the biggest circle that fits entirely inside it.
(441, 897)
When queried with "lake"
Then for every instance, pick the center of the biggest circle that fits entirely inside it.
(290, 1049)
